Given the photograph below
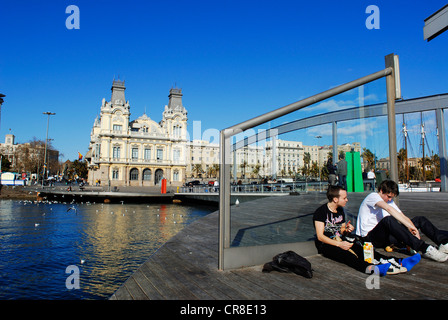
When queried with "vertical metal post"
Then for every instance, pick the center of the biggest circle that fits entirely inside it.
(224, 197)
(335, 142)
(46, 141)
(442, 150)
(274, 157)
(391, 94)
(235, 167)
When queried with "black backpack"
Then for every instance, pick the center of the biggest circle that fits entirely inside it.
(290, 261)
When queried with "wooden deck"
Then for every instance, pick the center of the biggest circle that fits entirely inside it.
(185, 268)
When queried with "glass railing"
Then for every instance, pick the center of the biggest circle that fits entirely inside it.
(285, 153)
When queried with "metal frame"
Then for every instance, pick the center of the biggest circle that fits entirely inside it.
(432, 103)
(241, 256)
(436, 24)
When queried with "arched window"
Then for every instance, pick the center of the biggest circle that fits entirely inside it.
(158, 176)
(133, 175)
(147, 174)
(115, 173)
(177, 131)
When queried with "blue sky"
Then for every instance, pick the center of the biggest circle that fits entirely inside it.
(234, 60)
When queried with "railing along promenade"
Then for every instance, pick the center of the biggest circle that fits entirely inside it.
(268, 188)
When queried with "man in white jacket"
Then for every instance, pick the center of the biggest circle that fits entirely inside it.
(381, 222)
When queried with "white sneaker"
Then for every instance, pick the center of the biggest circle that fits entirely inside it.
(444, 248)
(434, 254)
(395, 267)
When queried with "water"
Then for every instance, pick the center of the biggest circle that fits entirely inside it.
(107, 242)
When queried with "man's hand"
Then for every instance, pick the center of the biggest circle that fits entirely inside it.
(414, 231)
(348, 227)
(345, 245)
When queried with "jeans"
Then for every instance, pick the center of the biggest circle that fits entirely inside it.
(389, 231)
(346, 257)
(332, 179)
(343, 181)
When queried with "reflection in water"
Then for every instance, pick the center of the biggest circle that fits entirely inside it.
(108, 242)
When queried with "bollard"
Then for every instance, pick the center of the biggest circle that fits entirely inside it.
(163, 189)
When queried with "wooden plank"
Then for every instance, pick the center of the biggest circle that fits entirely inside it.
(134, 289)
(257, 289)
(278, 289)
(202, 275)
(146, 286)
(186, 266)
(122, 293)
(158, 283)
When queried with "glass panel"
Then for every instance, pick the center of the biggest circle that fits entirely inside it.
(290, 156)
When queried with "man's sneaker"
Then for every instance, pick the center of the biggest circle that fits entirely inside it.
(395, 267)
(434, 254)
(444, 248)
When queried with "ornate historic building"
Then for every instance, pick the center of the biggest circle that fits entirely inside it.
(139, 152)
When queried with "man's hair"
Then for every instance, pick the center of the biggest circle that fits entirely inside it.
(333, 192)
(389, 186)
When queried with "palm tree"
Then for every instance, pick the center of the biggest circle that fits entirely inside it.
(256, 170)
(403, 172)
(306, 161)
(197, 168)
(216, 169)
(368, 157)
(314, 169)
(436, 163)
(243, 166)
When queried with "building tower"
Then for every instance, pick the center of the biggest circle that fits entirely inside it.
(174, 119)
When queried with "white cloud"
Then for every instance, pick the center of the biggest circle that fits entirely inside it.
(350, 130)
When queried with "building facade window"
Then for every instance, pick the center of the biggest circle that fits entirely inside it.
(176, 155)
(134, 153)
(147, 155)
(159, 154)
(176, 175)
(147, 174)
(133, 175)
(117, 127)
(115, 174)
(97, 150)
(116, 153)
(176, 131)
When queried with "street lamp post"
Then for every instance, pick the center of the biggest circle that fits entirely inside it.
(1, 102)
(46, 141)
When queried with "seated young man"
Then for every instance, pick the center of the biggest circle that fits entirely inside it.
(330, 226)
(381, 222)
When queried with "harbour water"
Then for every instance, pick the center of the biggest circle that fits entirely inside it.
(44, 245)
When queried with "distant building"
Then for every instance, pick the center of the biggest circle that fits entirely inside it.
(202, 159)
(29, 157)
(140, 152)
(284, 157)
